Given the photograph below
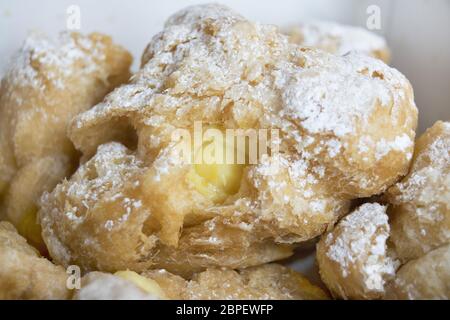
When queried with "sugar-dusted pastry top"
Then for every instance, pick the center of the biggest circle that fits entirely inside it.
(339, 39)
(345, 130)
(217, 67)
(420, 210)
(353, 258)
(49, 81)
(407, 256)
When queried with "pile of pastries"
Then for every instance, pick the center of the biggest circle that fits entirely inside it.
(91, 177)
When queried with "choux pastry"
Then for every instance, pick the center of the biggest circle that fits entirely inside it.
(24, 274)
(406, 250)
(339, 39)
(420, 202)
(269, 281)
(345, 129)
(49, 82)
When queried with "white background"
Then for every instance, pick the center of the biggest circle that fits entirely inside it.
(418, 31)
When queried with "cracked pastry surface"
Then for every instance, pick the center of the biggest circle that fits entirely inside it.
(49, 82)
(262, 282)
(424, 278)
(339, 39)
(415, 242)
(121, 234)
(270, 281)
(24, 274)
(420, 202)
(353, 259)
(346, 130)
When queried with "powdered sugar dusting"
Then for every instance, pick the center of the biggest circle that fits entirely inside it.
(432, 164)
(57, 57)
(210, 52)
(400, 143)
(361, 242)
(326, 100)
(102, 177)
(211, 65)
(339, 39)
(193, 14)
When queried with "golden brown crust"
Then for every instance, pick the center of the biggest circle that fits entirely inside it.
(122, 234)
(47, 84)
(420, 203)
(111, 239)
(353, 258)
(174, 286)
(212, 65)
(427, 277)
(418, 232)
(23, 273)
(264, 282)
(270, 281)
